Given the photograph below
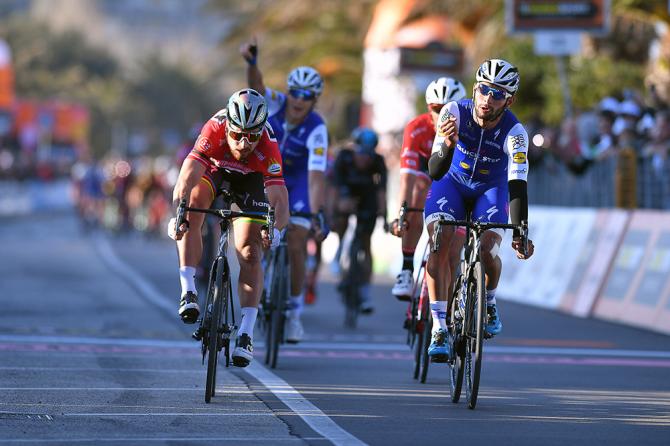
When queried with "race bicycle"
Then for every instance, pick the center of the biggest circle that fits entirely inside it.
(467, 312)
(217, 321)
(275, 301)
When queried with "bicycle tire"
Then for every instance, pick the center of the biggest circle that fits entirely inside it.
(425, 359)
(474, 353)
(418, 347)
(352, 298)
(213, 333)
(268, 309)
(456, 368)
(279, 298)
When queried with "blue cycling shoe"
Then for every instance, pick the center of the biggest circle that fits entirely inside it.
(493, 325)
(440, 349)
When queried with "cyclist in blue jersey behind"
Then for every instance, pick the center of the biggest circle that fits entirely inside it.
(479, 157)
(303, 142)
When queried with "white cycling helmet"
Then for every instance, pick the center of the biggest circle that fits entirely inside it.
(247, 110)
(499, 72)
(443, 90)
(305, 78)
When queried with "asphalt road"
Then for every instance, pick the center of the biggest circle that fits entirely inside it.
(92, 352)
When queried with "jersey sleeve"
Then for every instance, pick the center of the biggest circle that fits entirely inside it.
(516, 147)
(207, 145)
(450, 109)
(275, 100)
(273, 173)
(317, 146)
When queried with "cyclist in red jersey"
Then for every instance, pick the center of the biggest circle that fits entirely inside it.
(236, 146)
(414, 180)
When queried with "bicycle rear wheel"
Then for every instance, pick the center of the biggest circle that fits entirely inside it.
(418, 322)
(214, 322)
(427, 330)
(477, 317)
(456, 339)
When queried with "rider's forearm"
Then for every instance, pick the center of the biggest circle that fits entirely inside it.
(317, 190)
(518, 202)
(439, 162)
(189, 176)
(255, 79)
(407, 181)
(278, 199)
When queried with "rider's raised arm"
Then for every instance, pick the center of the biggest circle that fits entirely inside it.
(442, 153)
(516, 147)
(249, 52)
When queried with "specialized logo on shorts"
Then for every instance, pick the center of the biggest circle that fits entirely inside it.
(519, 158)
(442, 202)
(464, 165)
(491, 212)
(319, 151)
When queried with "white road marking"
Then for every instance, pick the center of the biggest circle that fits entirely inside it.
(313, 416)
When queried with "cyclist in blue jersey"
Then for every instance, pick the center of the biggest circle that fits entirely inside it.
(303, 141)
(479, 157)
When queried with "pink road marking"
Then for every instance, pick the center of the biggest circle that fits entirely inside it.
(333, 354)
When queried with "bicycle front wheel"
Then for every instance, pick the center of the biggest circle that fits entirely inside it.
(475, 321)
(214, 324)
(280, 292)
(456, 336)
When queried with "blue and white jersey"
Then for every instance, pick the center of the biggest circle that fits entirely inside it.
(303, 148)
(485, 156)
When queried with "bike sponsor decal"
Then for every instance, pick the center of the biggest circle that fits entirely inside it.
(274, 167)
(519, 158)
(203, 144)
(518, 142)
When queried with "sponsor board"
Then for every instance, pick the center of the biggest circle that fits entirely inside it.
(543, 279)
(637, 289)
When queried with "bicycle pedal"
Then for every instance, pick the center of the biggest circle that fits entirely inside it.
(197, 335)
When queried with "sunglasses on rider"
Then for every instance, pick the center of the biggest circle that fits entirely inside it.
(239, 136)
(299, 93)
(496, 93)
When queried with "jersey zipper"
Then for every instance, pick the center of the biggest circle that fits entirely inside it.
(474, 166)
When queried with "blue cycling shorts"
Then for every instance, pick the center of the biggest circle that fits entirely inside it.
(448, 197)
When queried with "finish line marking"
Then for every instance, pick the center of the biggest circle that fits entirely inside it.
(309, 413)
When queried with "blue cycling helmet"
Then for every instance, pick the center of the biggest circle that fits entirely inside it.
(366, 139)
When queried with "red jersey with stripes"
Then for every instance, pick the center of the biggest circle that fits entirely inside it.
(417, 142)
(212, 150)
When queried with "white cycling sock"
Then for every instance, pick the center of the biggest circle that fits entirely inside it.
(491, 296)
(439, 312)
(187, 279)
(296, 306)
(248, 321)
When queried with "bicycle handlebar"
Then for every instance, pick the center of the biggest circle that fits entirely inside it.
(481, 227)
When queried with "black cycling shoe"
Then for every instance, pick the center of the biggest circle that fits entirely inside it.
(188, 308)
(244, 352)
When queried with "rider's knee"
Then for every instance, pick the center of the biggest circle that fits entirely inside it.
(249, 255)
(490, 251)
